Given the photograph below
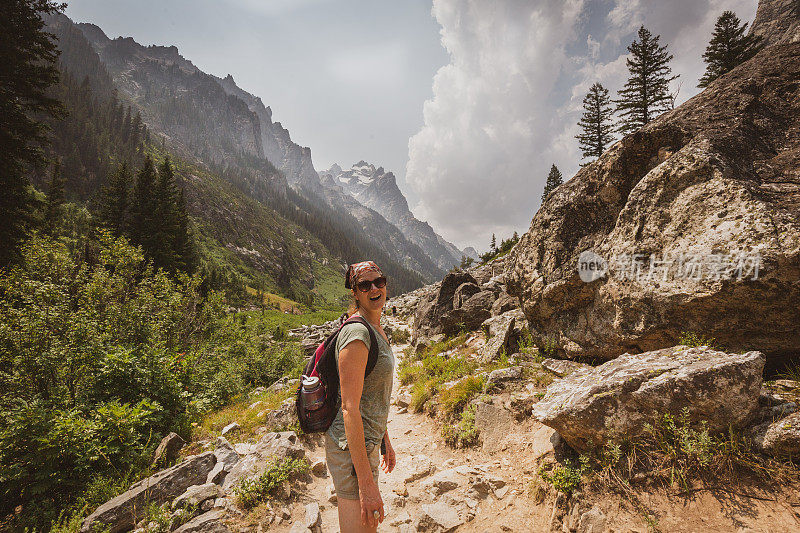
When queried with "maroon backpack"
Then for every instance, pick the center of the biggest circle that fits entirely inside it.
(317, 406)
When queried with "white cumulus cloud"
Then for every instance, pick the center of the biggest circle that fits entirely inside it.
(476, 164)
(506, 106)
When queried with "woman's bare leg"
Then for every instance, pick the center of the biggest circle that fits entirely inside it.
(350, 517)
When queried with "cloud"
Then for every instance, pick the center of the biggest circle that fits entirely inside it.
(506, 107)
(488, 134)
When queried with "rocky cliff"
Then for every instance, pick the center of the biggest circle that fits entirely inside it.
(777, 21)
(696, 217)
(377, 189)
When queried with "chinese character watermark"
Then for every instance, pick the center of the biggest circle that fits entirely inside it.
(649, 267)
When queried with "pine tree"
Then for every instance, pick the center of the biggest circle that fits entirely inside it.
(166, 209)
(114, 204)
(554, 179)
(596, 122)
(55, 199)
(184, 243)
(646, 92)
(144, 224)
(27, 70)
(729, 47)
(493, 244)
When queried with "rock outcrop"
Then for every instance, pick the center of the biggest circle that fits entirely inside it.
(709, 183)
(119, 513)
(615, 400)
(271, 447)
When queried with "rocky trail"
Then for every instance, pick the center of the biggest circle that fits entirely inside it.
(495, 487)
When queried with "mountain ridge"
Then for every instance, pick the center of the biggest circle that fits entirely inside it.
(213, 120)
(377, 188)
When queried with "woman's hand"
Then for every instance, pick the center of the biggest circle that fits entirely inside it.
(388, 460)
(371, 501)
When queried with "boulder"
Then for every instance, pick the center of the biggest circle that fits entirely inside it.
(494, 423)
(463, 293)
(438, 517)
(502, 375)
(233, 426)
(616, 399)
(470, 315)
(312, 519)
(271, 447)
(779, 438)
(698, 192)
(197, 494)
(427, 319)
(442, 482)
(168, 449)
(504, 303)
(210, 522)
(282, 417)
(495, 345)
(119, 513)
(419, 467)
(227, 457)
(563, 367)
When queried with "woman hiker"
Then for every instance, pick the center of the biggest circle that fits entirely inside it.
(353, 441)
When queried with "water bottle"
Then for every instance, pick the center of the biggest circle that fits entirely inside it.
(313, 393)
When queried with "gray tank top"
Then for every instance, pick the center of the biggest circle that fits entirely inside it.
(377, 390)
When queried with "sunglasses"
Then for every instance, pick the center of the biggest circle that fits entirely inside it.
(365, 286)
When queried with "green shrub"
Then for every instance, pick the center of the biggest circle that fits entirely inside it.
(100, 356)
(689, 338)
(256, 490)
(463, 434)
(565, 477)
(400, 336)
(454, 399)
(677, 452)
(548, 348)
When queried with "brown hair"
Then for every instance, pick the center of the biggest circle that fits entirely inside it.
(353, 307)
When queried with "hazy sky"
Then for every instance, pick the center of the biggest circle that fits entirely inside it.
(468, 102)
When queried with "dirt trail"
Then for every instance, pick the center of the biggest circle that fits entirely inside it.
(512, 453)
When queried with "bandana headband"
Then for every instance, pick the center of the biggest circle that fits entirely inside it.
(356, 270)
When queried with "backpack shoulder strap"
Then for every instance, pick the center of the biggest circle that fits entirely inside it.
(372, 357)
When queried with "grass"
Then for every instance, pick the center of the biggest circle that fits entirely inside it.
(463, 433)
(239, 411)
(792, 372)
(264, 487)
(453, 400)
(548, 348)
(271, 300)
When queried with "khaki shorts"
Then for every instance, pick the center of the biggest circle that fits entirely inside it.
(343, 473)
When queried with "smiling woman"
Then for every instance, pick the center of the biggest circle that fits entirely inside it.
(353, 442)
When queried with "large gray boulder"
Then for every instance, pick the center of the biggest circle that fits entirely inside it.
(689, 192)
(210, 522)
(463, 293)
(499, 342)
(615, 400)
(271, 447)
(168, 449)
(470, 315)
(428, 318)
(120, 513)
